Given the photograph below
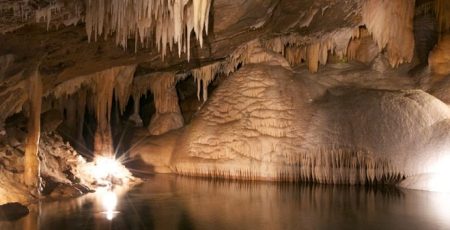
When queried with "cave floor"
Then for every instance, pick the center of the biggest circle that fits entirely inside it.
(173, 202)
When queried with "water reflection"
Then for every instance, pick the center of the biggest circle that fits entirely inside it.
(169, 202)
(108, 198)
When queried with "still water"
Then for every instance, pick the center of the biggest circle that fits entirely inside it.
(170, 202)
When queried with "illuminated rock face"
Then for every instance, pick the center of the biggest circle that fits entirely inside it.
(261, 124)
(249, 126)
(60, 166)
(439, 58)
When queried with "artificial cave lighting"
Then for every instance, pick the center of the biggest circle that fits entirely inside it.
(135, 100)
(107, 171)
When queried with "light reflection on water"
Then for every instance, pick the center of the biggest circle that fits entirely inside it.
(170, 202)
(109, 199)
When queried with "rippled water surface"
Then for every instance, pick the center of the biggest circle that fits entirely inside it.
(170, 202)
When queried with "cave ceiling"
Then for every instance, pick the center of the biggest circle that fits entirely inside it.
(62, 40)
(62, 50)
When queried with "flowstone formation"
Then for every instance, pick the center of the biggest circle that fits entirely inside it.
(248, 125)
(324, 91)
(266, 122)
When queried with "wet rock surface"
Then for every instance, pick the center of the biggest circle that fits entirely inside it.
(12, 211)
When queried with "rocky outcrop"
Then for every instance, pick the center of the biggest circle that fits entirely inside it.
(59, 168)
(12, 211)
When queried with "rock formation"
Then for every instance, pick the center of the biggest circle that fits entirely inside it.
(264, 122)
(348, 92)
(58, 166)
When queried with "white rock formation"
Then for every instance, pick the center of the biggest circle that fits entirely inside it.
(172, 22)
(168, 114)
(267, 123)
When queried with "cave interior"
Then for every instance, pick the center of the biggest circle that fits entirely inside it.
(99, 94)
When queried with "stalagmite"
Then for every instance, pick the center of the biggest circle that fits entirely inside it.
(106, 82)
(32, 167)
(135, 117)
(391, 25)
(171, 22)
(168, 114)
(103, 94)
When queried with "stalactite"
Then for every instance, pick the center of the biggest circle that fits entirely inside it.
(32, 167)
(204, 76)
(51, 12)
(58, 12)
(103, 98)
(312, 52)
(442, 8)
(118, 79)
(172, 21)
(392, 31)
(313, 49)
(276, 45)
(13, 96)
(102, 85)
(362, 47)
(123, 86)
(251, 52)
(327, 167)
(439, 58)
(323, 51)
(391, 25)
(46, 14)
(295, 55)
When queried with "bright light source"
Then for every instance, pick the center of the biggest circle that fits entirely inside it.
(440, 180)
(107, 171)
(105, 167)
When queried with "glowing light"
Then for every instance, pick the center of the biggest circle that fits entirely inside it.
(440, 179)
(105, 167)
(106, 171)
